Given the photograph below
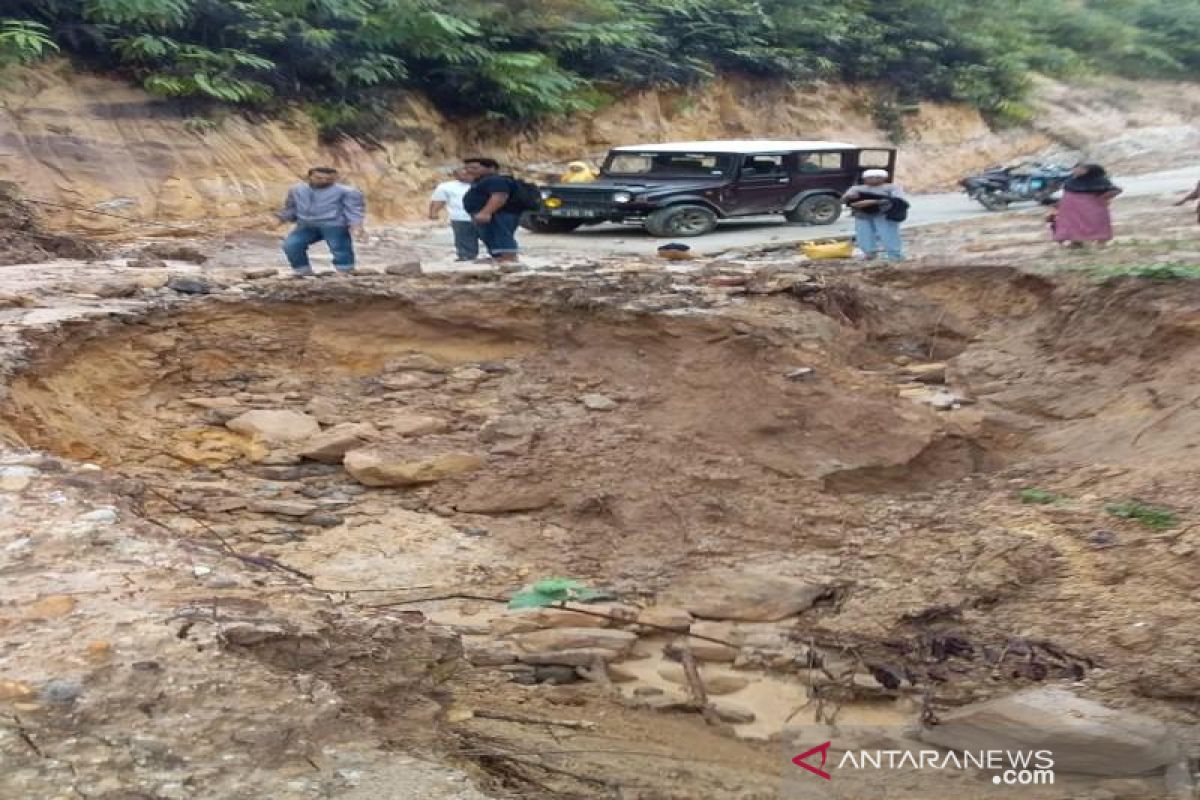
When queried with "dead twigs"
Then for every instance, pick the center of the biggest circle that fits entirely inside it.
(262, 562)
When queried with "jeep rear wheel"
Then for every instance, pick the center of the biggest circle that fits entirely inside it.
(681, 221)
(823, 209)
(538, 224)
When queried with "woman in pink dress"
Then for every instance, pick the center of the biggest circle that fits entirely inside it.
(1082, 214)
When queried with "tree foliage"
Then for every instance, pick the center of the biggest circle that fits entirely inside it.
(525, 59)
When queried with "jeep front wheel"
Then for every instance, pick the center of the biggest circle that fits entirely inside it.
(537, 224)
(681, 221)
(823, 209)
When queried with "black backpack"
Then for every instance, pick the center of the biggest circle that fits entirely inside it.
(898, 212)
(526, 196)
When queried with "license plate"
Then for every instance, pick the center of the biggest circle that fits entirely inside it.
(568, 211)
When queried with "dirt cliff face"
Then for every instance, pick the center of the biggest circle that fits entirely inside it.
(99, 143)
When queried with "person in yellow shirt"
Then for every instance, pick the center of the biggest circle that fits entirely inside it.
(578, 172)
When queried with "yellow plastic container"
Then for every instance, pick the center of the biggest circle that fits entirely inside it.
(827, 248)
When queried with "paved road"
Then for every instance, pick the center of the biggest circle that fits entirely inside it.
(752, 231)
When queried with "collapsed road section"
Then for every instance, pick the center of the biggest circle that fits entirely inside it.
(262, 541)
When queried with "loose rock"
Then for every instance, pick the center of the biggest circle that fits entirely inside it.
(285, 508)
(408, 268)
(409, 424)
(323, 519)
(490, 654)
(598, 402)
(485, 499)
(174, 252)
(1086, 737)
(536, 619)
(502, 428)
(732, 714)
(670, 617)
(378, 468)
(188, 285)
(275, 426)
(146, 262)
(753, 596)
(17, 478)
(213, 403)
(559, 639)
(405, 381)
(220, 505)
(580, 657)
(706, 651)
(927, 373)
(331, 446)
(61, 692)
(555, 675)
(101, 516)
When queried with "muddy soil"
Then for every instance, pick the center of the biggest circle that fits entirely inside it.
(23, 238)
(956, 456)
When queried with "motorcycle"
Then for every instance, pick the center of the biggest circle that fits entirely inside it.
(997, 187)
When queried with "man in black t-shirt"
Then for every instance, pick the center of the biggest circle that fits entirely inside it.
(491, 204)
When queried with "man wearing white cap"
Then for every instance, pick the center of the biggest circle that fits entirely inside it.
(879, 207)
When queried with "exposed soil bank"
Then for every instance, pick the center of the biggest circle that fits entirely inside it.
(90, 141)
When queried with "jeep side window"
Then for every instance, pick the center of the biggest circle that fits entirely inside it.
(814, 163)
(668, 164)
(762, 166)
(874, 159)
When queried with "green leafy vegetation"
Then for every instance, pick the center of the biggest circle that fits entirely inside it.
(553, 591)
(520, 60)
(22, 41)
(1038, 497)
(1160, 273)
(1155, 517)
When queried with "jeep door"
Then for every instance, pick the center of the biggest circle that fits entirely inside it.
(823, 169)
(762, 186)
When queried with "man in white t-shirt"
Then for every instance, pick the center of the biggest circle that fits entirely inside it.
(449, 195)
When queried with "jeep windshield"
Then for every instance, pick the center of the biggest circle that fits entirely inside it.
(668, 165)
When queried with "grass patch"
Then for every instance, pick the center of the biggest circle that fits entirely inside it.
(1154, 517)
(1038, 497)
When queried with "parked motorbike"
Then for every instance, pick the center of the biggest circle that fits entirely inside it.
(998, 187)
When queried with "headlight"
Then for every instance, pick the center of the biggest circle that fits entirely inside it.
(622, 197)
(545, 194)
(552, 202)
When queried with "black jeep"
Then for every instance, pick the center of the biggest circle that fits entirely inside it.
(685, 188)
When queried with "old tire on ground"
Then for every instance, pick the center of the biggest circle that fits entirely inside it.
(538, 224)
(685, 220)
(822, 209)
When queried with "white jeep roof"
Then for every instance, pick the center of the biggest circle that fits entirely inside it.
(736, 146)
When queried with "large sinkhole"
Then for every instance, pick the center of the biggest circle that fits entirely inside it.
(466, 441)
(624, 435)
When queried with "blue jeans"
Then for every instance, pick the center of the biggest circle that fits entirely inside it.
(876, 232)
(302, 237)
(466, 239)
(500, 235)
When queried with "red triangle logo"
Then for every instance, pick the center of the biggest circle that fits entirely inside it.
(823, 749)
